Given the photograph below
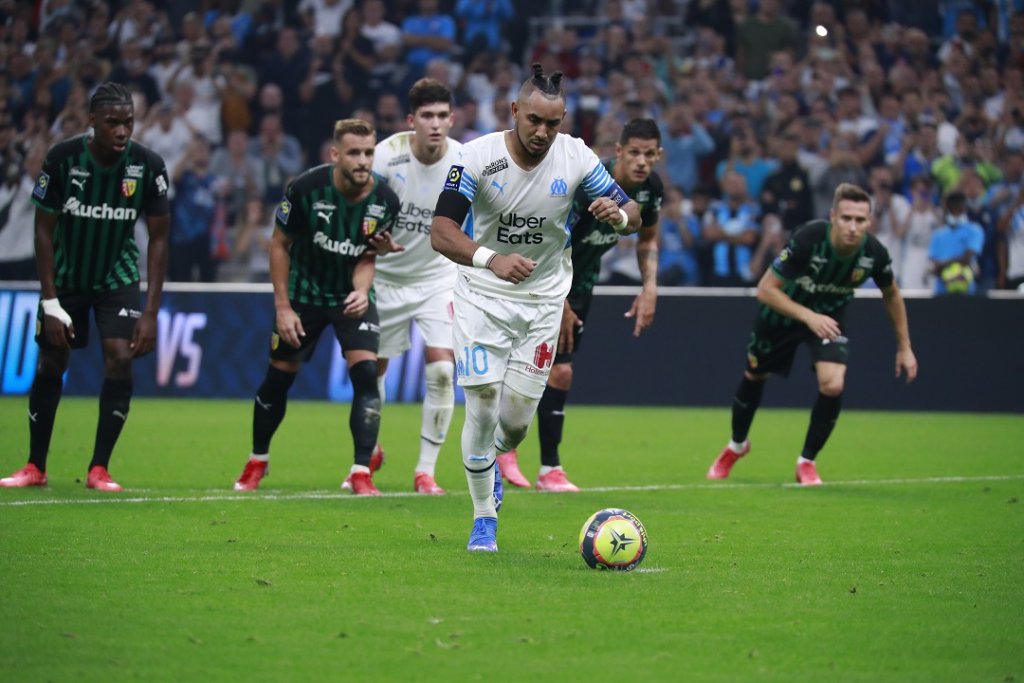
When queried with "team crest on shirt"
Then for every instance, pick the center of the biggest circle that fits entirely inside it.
(858, 275)
(369, 226)
(559, 188)
(284, 211)
(42, 182)
(128, 186)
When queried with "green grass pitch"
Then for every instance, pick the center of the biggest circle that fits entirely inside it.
(908, 565)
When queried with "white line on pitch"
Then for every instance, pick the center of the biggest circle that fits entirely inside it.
(219, 496)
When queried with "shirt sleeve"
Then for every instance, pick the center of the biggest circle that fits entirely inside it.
(794, 257)
(155, 200)
(49, 188)
(285, 217)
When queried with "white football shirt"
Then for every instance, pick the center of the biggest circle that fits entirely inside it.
(525, 212)
(417, 186)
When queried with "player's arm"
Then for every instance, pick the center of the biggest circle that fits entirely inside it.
(358, 300)
(57, 327)
(567, 330)
(896, 309)
(288, 324)
(447, 238)
(144, 335)
(647, 259)
(771, 294)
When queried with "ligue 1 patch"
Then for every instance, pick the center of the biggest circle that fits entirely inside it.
(454, 178)
(128, 186)
(42, 182)
(284, 211)
(369, 226)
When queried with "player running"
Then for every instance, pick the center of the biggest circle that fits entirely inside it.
(636, 154)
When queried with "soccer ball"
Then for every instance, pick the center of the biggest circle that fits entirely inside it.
(957, 278)
(613, 539)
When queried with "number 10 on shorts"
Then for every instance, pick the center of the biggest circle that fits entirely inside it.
(472, 361)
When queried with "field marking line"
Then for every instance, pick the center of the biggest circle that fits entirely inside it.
(216, 495)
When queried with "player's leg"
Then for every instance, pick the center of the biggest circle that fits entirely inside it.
(436, 418)
(478, 456)
(769, 351)
(117, 313)
(47, 388)
(550, 423)
(271, 401)
(360, 339)
(364, 419)
(824, 414)
(377, 457)
(394, 311)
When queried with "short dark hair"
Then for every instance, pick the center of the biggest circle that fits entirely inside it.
(955, 201)
(550, 86)
(850, 192)
(110, 94)
(353, 127)
(643, 129)
(428, 91)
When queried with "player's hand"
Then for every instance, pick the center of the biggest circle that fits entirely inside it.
(356, 304)
(605, 210)
(383, 243)
(643, 310)
(823, 326)
(566, 333)
(144, 335)
(289, 327)
(57, 326)
(906, 360)
(512, 268)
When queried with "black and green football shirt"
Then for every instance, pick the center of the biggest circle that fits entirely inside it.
(94, 244)
(591, 238)
(330, 234)
(817, 277)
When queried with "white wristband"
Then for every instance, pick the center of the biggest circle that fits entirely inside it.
(482, 257)
(53, 308)
(623, 224)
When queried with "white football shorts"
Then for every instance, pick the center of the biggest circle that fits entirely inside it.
(497, 340)
(430, 305)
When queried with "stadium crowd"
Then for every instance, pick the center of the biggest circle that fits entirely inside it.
(765, 106)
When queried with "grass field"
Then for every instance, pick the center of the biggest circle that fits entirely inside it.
(908, 565)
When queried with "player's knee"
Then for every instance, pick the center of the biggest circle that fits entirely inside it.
(363, 376)
(831, 387)
(561, 376)
(439, 382)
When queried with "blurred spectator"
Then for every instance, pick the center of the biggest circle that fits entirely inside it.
(731, 231)
(206, 83)
(482, 22)
(843, 167)
(890, 214)
(919, 151)
(948, 168)
(245, 173)
(328, 90)
(759, 36)
(745, 158)
(685, 142)
(679, 234)
(281, 155)
(979, 213)
(166, 133)
(389, 115)
(17, 213)
(132, 70)
(287, 68)
(233, 16)
(385, 48)
(1012, 263)
(323, 17)
(914, 271)
(786, 195)
(955, 247)
(190, 257)
(252, 243)
(164, 64)
(428, 34)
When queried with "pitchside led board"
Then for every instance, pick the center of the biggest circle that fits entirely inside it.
(210, 344)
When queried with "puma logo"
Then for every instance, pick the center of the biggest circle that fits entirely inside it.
(501, 187)
(325, 216)
(80, 184)
(32, 416)
(261, 404)
(118, 413)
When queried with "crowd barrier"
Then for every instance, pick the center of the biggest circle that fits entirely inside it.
(213, 342)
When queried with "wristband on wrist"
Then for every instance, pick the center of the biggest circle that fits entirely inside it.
(482, 257)
(52, 307)
(622, 224)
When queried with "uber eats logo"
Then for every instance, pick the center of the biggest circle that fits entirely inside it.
(513, 221)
